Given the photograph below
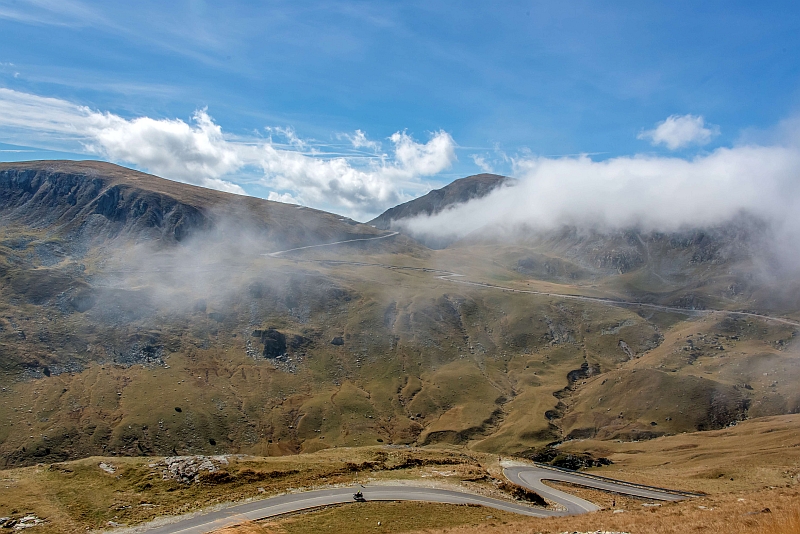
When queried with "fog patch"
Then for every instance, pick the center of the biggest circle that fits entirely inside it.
(221, 274)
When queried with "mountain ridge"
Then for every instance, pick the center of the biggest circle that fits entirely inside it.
(68, 194)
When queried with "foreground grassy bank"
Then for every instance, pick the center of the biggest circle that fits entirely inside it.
(99, 493)
(743, 470)
(750, 474)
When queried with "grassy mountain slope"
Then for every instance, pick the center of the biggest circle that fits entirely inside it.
(141, 316)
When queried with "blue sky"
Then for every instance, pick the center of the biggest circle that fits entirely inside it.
(491, 83)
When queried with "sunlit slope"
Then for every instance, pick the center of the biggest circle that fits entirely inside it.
(420, 360)
(118, 337)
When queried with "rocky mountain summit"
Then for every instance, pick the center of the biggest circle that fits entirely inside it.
(457, 192)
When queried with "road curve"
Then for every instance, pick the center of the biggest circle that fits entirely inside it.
(533, 479)
(296, 502)
(530, 477)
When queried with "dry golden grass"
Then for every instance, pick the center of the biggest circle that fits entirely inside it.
(381, 518)
(783, 523)
(246, 528)
(731, 514)
(739, 513)
(754, 454)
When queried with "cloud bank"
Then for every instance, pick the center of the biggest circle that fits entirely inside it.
(199, 152)
(649, 193)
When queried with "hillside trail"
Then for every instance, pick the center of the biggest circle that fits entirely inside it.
(457, 278)
(278, 253)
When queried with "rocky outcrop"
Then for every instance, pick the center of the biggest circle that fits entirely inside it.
(274, 342)
(277, 344)
(188, 469)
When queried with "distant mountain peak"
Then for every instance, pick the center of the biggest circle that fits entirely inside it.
(457, 192)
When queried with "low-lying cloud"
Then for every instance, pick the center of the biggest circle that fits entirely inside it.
(200, 153)
(646, 192)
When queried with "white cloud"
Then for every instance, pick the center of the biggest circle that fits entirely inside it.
(199, 152)
(431, 158)
(286, 198)
(482, 164)
(679, 131)
(359, 140)
(196, 153)
(359, 191)
(288, 134)
(652, 193)
(46, 116)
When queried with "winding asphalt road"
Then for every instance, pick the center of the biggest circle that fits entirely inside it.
(530, 477)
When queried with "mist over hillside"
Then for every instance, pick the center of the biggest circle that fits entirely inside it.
(750, 188)
(143, 316)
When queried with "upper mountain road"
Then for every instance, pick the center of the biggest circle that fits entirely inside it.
(458, 279)
(278, 253)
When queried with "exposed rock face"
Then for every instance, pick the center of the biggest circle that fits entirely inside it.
(277, 344)
(91, 207)
(187, 469)
(20, 523)
(274, 342)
